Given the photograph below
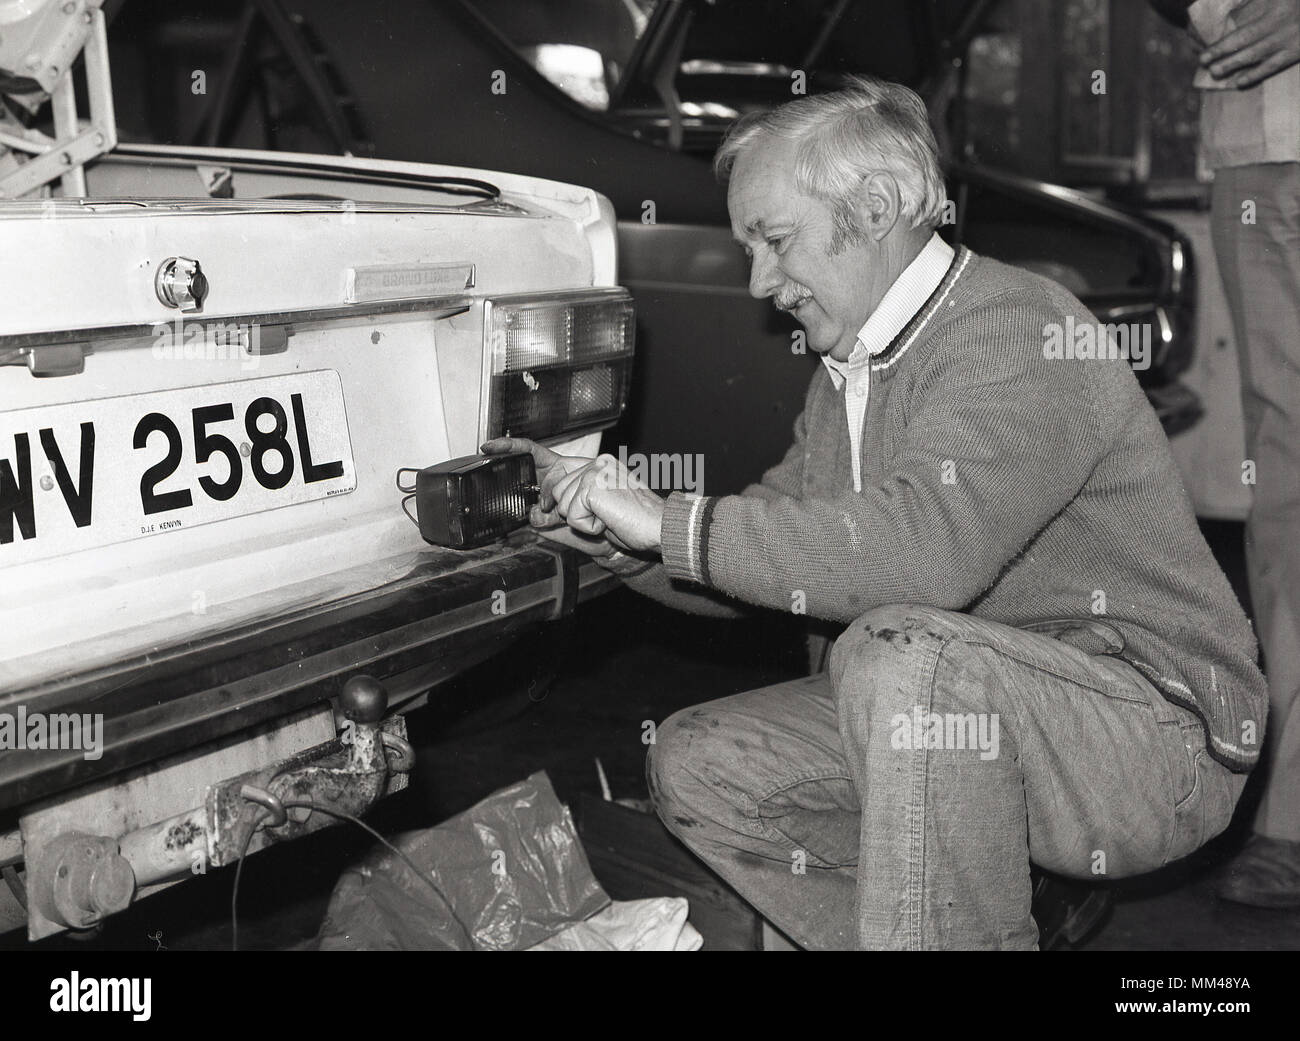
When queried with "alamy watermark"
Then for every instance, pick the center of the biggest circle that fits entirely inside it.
(658, 471)
(42, 731)
(208, 341)
(1074, 341)
(72, 993)
(946, 730)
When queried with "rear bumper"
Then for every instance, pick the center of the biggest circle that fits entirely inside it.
(444, 615)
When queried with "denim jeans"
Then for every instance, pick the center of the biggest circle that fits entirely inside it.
(896, 801)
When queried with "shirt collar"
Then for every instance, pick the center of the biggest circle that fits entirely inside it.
(899, 306)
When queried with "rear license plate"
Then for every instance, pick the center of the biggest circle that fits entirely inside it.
(92, 473)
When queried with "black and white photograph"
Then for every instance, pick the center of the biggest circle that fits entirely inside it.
(650, 475)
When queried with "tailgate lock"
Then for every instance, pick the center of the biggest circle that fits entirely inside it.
(180, 282)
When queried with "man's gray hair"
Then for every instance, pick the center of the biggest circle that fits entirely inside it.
(844, 137)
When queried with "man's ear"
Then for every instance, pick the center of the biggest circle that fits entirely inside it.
(880, 205)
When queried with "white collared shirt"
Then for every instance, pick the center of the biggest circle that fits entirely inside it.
(899, 305)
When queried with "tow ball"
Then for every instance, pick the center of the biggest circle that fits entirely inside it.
(314, 791)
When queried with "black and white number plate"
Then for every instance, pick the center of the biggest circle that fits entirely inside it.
(92, 473)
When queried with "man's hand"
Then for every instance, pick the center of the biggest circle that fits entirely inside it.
(605, 498)
(1266, 40)
(551, 466)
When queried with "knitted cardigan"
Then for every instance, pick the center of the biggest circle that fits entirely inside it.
(997, 481)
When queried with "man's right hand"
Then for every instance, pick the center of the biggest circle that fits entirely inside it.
(551, 467)
(1266, 40)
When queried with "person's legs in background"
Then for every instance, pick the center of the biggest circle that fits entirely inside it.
(1256, 223)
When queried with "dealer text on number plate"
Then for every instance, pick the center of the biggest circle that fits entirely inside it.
(90, 473)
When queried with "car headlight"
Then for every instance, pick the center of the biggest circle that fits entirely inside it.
(558, 363)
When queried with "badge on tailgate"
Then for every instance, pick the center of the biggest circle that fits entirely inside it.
(91, 473)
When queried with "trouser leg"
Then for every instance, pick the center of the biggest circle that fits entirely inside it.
(1259, 261)
(1043, 752)
(828, 806)
(756, 785)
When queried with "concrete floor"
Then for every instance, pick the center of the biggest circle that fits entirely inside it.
(623, 661)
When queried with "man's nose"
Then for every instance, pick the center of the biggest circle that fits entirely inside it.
(764, 276)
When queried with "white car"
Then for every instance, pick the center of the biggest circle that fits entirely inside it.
(215, 368)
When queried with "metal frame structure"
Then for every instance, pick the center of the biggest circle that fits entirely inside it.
(63, 156)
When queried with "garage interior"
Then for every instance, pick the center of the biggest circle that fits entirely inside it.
(573, 698)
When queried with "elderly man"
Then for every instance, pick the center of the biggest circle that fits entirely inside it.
(1042, 660)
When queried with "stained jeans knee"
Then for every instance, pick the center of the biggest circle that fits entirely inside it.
(681, 797)
(763, 768)
(757, 787)
(885, 652)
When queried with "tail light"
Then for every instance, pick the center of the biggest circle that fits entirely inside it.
(473, 500)
(557, 363)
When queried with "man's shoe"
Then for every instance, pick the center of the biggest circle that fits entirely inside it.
(1067, 911)
(1265, 874)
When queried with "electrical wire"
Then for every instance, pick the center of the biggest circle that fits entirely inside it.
(239, 871)
(339, 815)
(414, 520)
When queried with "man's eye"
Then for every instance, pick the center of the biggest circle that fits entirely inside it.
(776, 242)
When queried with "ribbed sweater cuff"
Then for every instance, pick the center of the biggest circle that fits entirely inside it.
(684, 536)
